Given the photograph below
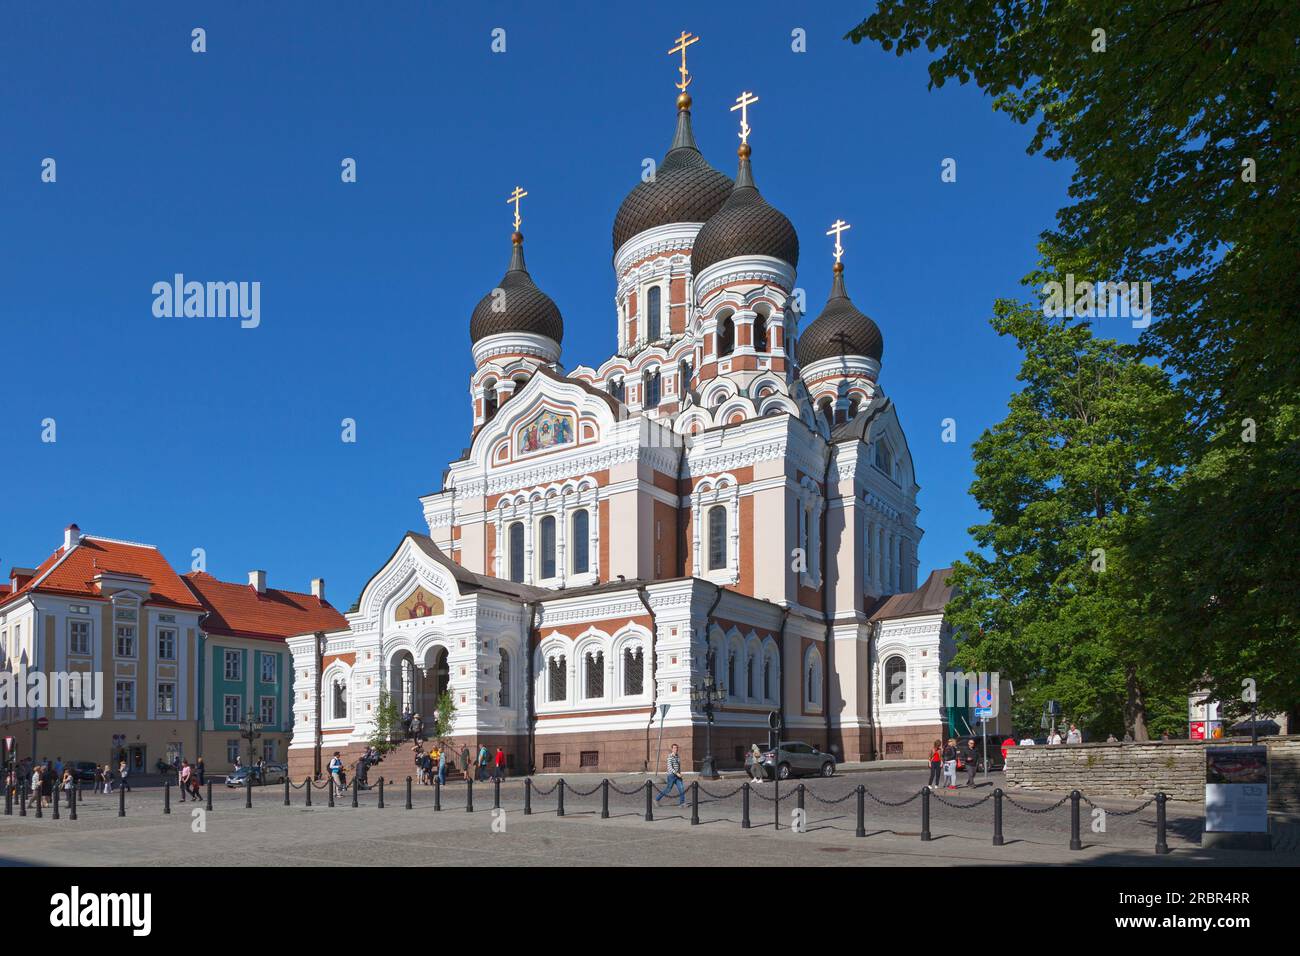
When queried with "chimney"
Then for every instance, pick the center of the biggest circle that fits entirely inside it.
(318, 589)
(71, 537)
(257, 581)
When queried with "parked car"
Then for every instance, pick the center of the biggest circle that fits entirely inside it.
(275, 773)
(83, 771)
(793, 758)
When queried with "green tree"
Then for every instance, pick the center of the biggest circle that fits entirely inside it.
(444, 716)
(1064, 478)
(388, 723)
(1182, 120)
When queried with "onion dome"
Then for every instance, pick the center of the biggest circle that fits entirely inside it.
(523, 308)
(745, 226)
(685, 187)
(841, 329)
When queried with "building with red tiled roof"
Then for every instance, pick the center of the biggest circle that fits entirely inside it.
(244, 665)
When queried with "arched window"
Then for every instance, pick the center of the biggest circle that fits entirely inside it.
(408, 684)
(580, 541)
(827, 410)
(717, 537)
(684, 376)
(653, 323)
(340, 701)
(882, 457)
(595, 666)
(767, 678)
(760, 332)
(731, 672)
(633, 671)
(749, 678)
(615, 389)
(557, 679)
(896, 680)
(516, 555)
(489, 399)
(651, 380)
(855, 403)
(813, 678)
(726, 335)
(503, 675)
(546, 532)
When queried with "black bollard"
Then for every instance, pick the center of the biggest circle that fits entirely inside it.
(649, 803)
(1075, 842)
(306, 786)
(528, 796)
(9, 800)
(604, 799)
(408, 793)
(209, 803)
(1162, 846)
(167, 797)
(695, 803)
(248, 792)
(22, 799)
(72, 804)
(381, 793)
(437, 794)
(121, 802)
(39, 815)
(469, 794)
(356, 788)
(925, 815)
(331, 792)
(54, 803)
(862, 811)
(286, 790)
(744, 806)
(496, 793)
(997, 817)
(559, 807)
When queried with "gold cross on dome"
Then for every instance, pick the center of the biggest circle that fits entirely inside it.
(743, 102)
(683, 41)
(837, 227)
(515, 196)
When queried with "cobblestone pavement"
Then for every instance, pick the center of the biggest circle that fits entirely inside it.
(1036, 828)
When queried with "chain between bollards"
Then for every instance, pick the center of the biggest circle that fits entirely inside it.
(604, 799)
(744, 806)
(1162, 847)
(1075, 842)
(862, 812)
(925, 815)
(997, 817)
(695, 803)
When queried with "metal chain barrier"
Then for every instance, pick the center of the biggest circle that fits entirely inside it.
(961, 806)
(754, 791)
(537, 791)
(891, 803)
(830, 803)
(580, 793)
(722, 796)
(1056, 806)
(1118, 813)
(628, 793)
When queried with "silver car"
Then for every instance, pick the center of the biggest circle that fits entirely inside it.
(793, 758)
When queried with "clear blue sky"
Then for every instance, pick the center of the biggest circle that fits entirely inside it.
(225, 165)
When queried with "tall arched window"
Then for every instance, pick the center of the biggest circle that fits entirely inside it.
(812, 693)
(827, 410)
(726, 335)
(683, 376)
(557, 679)
(546, 534)
(896, 680)
(717, 537)
(767, 678)
(731, 672)
(653, 322)
(615, 389)
(516, 555)
(340, 701)
(580, 541)
(633, 671)
(503, 674)
(749, 677)
(651, 380)
(489, 399)
(760, 332)
(594, 663)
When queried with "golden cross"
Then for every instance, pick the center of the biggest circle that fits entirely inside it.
(515, 196)
(837, 227)
(743, 102)
(683, 41)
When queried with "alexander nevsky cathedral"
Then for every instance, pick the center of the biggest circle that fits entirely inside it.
(719, 518)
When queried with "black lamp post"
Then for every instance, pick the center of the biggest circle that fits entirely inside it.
(705, 694)
(250, 731)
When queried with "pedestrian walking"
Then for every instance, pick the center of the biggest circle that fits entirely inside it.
(674, 777)
(1006, 745)
(122, 773)
(183, 778)
(69, 784)
(37, 775)
(1074, 736)
(482, 763)
(950, 764)
(442, 765)
(336, 772)
(499, 761)
(972, 762)
(756, 764)
(417, 726)
(199, 768)
(464, 760)
(936, 763)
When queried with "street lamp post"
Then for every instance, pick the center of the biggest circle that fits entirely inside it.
(705, 694)
(250, 730)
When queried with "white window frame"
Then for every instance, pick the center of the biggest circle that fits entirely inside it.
(723, 490)
(175, 643)
(529, 508)
(225, 709)
(158, 699)
(262, 703)
(118, 684)
(73, 649)
(132, 638)
(226, 658)
(274, 661)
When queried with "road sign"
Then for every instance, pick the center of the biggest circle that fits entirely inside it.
(984, 704)
(42, 723)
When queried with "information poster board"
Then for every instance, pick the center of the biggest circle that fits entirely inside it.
(1236, 789)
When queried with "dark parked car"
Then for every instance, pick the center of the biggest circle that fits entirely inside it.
(83, 771)
(793, 758)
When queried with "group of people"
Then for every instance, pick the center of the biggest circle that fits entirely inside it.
(41, 778)
(430, 764)
(944, 759)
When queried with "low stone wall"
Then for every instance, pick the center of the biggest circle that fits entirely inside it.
(1174, 767)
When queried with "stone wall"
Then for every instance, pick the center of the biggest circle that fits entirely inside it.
(1174, 767)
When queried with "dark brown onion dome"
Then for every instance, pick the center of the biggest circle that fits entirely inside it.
(841, 329)
(685, 188)
(746, 225)
(524, 307)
